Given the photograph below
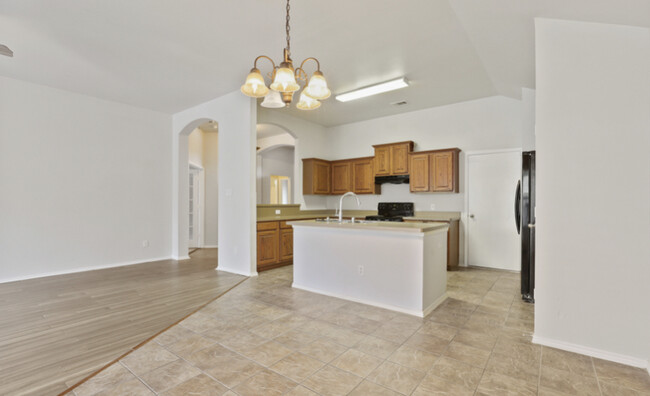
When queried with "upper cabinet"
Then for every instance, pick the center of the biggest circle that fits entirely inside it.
(341, 176)
(392, 159)
(428, 171)
(434, 171)
(316, 176)
(321, 177)
(363, 180)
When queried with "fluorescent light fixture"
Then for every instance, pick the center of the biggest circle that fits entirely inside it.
(373, 90)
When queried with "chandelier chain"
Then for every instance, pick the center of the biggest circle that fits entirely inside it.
(288, 29)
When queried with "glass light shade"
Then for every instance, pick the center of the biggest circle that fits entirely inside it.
(285, 80)
(273, 100)
(254, 86)
(317, 87)
(307, 103)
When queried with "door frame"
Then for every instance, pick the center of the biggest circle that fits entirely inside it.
(200, 241)
(465, 215)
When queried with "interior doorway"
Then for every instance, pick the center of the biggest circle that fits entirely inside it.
(491, 231)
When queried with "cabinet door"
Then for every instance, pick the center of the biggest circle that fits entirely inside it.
(321, 178)
(341, 177)
(382, 161)
(442, 171)
(286, 244)
(419, 178)
(363, 181)
(399, 159)
(267, 247)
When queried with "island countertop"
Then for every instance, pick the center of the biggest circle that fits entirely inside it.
(412, 227)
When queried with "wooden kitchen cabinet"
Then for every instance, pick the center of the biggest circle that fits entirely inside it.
(363, 180)
(316, 176)
(286, 244)
(434, 171)
(392, 158)
(341, 176)
(274, 244)
(268, 244)
(444, 171)
(382, 160)
(419, 178)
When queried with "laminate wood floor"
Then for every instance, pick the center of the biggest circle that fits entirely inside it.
(55, 331)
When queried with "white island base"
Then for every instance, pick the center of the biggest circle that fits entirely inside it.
(401, 267)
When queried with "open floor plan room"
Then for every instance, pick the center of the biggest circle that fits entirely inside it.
(369, 197)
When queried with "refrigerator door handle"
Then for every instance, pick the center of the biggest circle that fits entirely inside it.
(518, 207)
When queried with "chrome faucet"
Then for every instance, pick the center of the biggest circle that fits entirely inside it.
(349, 193)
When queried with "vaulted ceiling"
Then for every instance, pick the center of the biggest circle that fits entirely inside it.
(169, 55)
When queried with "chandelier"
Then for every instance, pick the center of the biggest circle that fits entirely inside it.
(284, 81)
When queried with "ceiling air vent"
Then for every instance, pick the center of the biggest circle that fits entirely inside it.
(400, 103)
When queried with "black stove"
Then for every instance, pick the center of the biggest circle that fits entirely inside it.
(393, 211)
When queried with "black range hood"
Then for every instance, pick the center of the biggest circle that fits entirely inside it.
(399, 179)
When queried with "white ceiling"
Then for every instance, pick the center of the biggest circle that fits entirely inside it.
(170, 55)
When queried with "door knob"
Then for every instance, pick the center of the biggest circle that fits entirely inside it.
(471, 216)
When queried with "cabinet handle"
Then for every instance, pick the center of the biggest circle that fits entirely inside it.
(531, 225)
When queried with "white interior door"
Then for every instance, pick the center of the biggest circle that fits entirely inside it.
(194, 212)
(493, 241)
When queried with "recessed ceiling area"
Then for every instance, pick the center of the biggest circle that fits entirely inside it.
(171, 56)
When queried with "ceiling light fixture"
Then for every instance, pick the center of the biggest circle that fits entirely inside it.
(373, 90)
(285, 81)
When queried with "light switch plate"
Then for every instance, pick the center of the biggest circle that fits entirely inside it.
(277, 211)
(433, 206)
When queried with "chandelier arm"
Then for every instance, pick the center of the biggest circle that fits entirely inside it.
(265, 57)
(311, 58)
(301, 74)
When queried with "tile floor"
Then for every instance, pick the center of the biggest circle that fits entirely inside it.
(265, 338)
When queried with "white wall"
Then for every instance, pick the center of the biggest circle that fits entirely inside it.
(279, 162)
(484, 124)
(195, 147)
(593, 189)
(311, 140)
(236, 116)
(211, 172)
(83, 182)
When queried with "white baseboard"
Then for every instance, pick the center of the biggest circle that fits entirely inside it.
(434, 305)
(593, 352)
(235, 271)
(419, 314)
(83, 269)
(180, 258)
(210, 246)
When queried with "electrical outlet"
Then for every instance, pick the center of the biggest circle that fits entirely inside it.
(361, 270)
(433, 206)
(145, 243)
(277, 211)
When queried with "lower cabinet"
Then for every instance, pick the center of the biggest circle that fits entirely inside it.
(274, 244)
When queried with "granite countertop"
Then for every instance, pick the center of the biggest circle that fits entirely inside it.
(375, 226)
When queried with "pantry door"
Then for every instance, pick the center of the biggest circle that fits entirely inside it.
(492, 239)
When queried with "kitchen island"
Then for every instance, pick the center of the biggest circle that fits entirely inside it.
(397, 266)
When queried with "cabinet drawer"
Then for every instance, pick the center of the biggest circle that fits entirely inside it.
(267, 226)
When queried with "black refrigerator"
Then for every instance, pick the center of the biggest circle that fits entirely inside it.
(525, 221)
